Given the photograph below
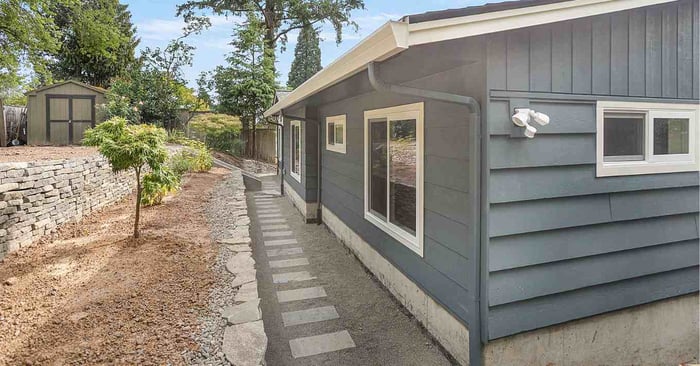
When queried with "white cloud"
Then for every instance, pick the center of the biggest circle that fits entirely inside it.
(160, 29)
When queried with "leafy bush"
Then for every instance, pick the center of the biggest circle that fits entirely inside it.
(157, 186)
(219, 131)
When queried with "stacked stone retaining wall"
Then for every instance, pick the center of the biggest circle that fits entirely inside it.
(37, 197)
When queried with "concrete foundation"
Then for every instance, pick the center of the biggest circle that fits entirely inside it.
(446, 329)
(660, 333)
(307, 209)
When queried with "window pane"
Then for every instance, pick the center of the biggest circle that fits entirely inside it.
(377, 186)
(671, 136)
(624, 137)
(296, 144)
(338, 134)
(331, 134)
(402, 155)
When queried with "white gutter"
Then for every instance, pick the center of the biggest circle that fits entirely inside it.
(395, 37)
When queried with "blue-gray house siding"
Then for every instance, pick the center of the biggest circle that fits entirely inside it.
(564, 244)
(561, 243)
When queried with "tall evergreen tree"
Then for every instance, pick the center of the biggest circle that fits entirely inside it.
(97, 43)
(246, 87)
(307, 57)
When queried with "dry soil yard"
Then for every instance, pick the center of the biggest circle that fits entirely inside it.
(91, 294)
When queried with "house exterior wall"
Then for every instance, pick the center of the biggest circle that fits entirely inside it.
(445, 276)
(36, 110)
(305, 190)
(564, 244)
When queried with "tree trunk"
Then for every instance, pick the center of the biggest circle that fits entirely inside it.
(138, 203)
(253, 136)
(3, 132)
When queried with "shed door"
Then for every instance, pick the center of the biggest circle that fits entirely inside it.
(68, 116)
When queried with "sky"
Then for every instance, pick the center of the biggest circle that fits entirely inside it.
(157, 24)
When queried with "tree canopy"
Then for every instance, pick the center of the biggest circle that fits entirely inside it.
(27, 34)
(278, 17)
(307, 57)
(97, 41)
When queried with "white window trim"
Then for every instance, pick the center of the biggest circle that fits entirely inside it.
(416, 110)
(335, 147)
(652, 164)
(294, 175)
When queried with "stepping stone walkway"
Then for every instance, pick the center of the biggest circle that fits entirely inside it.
(319, 305)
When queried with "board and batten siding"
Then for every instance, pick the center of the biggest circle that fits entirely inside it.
(564, 244)
(306, 189)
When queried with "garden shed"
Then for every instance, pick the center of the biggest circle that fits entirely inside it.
(59, 114)
(522, 176)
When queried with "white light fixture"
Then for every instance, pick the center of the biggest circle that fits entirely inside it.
(523, 117)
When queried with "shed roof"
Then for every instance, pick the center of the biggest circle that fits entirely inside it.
(396, 36)
(47, 87)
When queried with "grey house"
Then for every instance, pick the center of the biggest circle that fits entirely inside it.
(426, 150)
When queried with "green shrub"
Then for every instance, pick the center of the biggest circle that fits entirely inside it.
(157, 186)
(219, 131)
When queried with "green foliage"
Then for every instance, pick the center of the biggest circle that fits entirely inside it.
(98, 41)
(219, 131)
(157, 186)
(134, 147)
(118, 104)
(307, 57)
(27, 34)
(246, 87)
(195, 157)
(280, 16)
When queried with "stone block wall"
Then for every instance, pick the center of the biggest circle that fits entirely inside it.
(37, 197)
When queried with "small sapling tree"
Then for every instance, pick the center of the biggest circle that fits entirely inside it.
(133, 147)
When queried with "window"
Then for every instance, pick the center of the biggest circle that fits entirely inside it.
(335, 134)
(296, 150)
(646, 138)
(394, 172)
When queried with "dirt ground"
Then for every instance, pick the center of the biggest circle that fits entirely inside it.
(94, 295)
(32, 153)
(248, 165)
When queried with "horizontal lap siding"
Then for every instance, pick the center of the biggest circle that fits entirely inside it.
(565, 244)
(446, 270)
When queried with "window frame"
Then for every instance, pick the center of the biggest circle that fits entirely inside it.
(292, 124)
(407, 111)
(651, 164)
(335, 146)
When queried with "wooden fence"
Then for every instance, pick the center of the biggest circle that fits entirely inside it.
(265, 144)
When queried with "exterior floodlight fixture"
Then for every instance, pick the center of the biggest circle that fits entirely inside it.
(523, 117)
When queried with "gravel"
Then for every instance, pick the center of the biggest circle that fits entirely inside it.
(220, 214)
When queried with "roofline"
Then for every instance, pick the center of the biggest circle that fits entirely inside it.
(395, 37)
(88, 86)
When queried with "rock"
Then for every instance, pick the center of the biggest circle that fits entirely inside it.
(241, 262)
(247, 292)
(11, 281)
(244, 313)
(240, 248)
(245, 344)
(243, 277)
(242, 220)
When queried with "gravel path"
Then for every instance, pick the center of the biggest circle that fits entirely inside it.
(221, 219)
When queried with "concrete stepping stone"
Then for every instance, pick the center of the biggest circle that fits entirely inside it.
(273, 234)
(292, 277)
(284, 251)
(240, 262)
(247, 292)
(301, 294)
(245, 344)
(272, 221)
(274, 227)
(243, 278)
(242, 220)
(284, 263)
(312, 315)
(276, 242)
(322, 343)
(243, 313)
